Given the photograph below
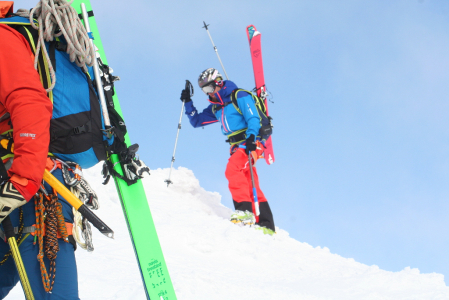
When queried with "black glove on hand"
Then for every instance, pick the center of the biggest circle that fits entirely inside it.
(250, 144)
(10, 199)
(185, 96)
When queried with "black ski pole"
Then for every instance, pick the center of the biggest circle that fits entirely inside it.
(188, 87)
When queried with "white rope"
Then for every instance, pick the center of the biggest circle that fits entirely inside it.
(56, 18)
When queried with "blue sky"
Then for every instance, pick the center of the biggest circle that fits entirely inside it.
(360, 92)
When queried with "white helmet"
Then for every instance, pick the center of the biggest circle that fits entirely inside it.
(208, 80)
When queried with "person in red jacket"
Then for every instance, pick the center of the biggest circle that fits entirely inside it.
(25, 107)
(24, 100)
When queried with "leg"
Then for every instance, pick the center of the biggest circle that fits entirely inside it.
(238, 183)
(265, 218)
(8, 272)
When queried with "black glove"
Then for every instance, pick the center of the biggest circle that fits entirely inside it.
(185, 96)
(250, 144)
(10, 199)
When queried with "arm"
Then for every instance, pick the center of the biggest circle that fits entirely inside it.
(250, 113)
(26, 100)
(200, 119)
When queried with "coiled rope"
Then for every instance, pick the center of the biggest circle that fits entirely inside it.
(56, 18)
(49, 216)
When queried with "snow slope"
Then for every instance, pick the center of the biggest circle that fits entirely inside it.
(211, 258)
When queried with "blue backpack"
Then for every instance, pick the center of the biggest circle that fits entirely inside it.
(76, 127)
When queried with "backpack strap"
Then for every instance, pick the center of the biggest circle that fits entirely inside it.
(217, 107)
(257, 102)
(234, 99)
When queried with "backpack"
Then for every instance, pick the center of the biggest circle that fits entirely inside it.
(76, 128)
(266, 128)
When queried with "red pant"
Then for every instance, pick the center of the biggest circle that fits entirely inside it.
(239, 177)
(240, 185)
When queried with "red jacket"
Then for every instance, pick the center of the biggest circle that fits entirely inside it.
(24, 98)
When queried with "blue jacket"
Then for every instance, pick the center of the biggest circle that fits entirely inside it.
(230, 119)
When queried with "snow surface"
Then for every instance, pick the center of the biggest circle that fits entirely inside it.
(210, 258)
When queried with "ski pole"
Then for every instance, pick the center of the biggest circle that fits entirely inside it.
(104, 108)
(256, 201)
(11, 237)
(215, 48)
(188, 87)
(72, 199)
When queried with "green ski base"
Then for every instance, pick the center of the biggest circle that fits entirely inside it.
(153, 269)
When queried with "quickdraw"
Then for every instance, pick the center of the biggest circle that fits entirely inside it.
(81, 189)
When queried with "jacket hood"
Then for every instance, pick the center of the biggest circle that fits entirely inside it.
(224, 95)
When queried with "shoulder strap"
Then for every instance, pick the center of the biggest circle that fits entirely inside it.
(217, 107)
(234, 98)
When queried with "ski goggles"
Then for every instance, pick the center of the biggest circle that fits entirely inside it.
(209, 88)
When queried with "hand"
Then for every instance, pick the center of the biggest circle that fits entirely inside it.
(10, 199)
(250, 144)
(185, 96)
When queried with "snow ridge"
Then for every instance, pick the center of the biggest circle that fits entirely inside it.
(210, 258)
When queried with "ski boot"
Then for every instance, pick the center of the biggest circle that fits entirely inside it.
(265, 230)
(243, 218)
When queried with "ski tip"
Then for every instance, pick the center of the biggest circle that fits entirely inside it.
(252, 32)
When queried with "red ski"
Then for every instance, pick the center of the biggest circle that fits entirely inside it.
(255, 47)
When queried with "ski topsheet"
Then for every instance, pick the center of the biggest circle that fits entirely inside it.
(153, 269)
(256, 57)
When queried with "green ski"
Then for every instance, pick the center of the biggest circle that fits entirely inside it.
(153, 269)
